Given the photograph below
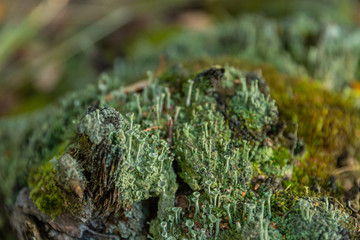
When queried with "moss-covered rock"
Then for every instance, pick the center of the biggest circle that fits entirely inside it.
(200, 152)
(208, 153)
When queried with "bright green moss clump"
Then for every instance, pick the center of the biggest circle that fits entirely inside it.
(46, 193)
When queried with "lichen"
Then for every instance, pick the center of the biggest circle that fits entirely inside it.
(69, 175)
(98, 123)
(314, 219)
(252, 107)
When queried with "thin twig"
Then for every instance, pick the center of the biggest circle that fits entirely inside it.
(138, 86)
(347, 169)
(152, 128)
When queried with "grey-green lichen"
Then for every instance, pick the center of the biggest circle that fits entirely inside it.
(315, 219)
(121, 157)
(252, 107)
(206, 147)
(132, 225)
(97, 124)
(69, 175)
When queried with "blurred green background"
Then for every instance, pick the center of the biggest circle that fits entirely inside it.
(48, 48)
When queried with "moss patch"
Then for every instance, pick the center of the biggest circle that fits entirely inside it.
(46, 193)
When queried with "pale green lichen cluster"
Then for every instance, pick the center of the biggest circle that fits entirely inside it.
(314, 219)
(213, 220)
(69, 174)
(252, 107)
(99, 123)
(133, 225)
(206, 147)
(124, 158)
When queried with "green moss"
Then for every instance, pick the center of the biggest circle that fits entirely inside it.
(281, 156)
(282, 202)
(46, 193)
(328, 123)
